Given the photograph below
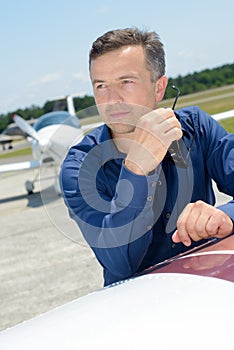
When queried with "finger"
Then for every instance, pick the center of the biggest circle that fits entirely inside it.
(201, 226)
(173, 134)
(212, 225)
(183, 215)
(176, 239)
(160, 115)
(219, 225)
(182, 231)
(197, 220)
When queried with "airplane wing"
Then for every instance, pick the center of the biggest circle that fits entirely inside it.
(224, 115)
(161, 309)
(19, 166)
(8, 139)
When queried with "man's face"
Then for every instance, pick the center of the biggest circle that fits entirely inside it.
(123, 89)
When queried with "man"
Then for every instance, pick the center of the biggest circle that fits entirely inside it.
(139, 187)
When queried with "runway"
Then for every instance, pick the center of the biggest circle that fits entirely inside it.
(40, 267)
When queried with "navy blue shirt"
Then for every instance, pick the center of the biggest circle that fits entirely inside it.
(128, 219)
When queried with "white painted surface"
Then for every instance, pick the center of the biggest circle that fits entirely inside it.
(161, 311)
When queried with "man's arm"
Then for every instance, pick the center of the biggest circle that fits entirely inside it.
(200, 220)
(117, 228)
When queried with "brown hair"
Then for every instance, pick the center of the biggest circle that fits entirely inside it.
(150, 42)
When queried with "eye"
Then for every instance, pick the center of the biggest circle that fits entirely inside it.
(100, 86)
(128, 81)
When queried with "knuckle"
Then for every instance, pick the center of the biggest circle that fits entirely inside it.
(144, 123)
(181, 223)
(199, 204)
(179, 134)
(197, 238)
(200, 230)
(212, 227)
(190, 226)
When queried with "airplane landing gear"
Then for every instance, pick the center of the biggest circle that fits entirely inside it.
(29, 186)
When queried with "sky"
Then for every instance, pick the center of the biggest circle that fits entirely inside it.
(44, 44)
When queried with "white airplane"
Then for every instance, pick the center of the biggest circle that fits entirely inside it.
(183, 303)
(51, 136)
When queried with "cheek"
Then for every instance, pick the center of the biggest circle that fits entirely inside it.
(103, 111)
(144, 105)
(99, 99)
(101, 108)
(146, 97)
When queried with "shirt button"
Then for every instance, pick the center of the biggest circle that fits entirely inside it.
(149, 227)
(173, 245)
(154, 184)
(168, 215)
(149, 198)
(172, 151)
(159, 182)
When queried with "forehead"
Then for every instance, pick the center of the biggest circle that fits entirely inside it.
(119, 60)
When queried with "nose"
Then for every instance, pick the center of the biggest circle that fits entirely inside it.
(114, 95)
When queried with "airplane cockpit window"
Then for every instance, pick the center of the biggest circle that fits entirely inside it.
(53, 118)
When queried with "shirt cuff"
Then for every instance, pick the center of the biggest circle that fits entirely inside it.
(136, 190)
(228, 208)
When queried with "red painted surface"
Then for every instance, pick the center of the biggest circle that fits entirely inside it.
(213, 260)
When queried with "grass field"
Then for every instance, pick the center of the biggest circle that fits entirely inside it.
(228, 124)
(19, 152)
(212, 101)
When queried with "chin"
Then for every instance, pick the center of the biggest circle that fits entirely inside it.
(121, 128)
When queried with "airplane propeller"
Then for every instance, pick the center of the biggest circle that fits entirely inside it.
(23, 125)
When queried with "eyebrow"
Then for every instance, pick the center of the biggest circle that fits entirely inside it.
(126, 76)
(95, 81)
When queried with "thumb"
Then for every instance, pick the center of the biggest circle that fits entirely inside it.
(176, 237)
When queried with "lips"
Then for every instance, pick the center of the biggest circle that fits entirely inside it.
(118, 114)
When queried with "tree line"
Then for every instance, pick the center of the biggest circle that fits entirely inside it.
(190, 83)
(200, 81)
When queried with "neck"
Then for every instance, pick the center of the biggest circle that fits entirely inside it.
(123, 141)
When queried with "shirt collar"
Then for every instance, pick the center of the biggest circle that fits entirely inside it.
(109, 149)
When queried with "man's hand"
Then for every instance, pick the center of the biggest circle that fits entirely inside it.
(200, 220)
(154, 133)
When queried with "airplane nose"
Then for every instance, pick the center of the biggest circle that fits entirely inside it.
(39, 148)
(43, 142)
(43, 145)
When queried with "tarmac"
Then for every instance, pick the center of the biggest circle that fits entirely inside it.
(44, 262)
(41, 267)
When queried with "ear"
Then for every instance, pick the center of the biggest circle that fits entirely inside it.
(160, 88)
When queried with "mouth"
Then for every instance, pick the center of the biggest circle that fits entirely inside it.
(118, 114)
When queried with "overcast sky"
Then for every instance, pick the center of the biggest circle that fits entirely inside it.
(45, 43)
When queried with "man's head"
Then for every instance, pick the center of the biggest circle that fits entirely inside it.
(127, 69)
(149, 41)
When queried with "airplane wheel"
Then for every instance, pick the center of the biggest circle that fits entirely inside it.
(29, 186)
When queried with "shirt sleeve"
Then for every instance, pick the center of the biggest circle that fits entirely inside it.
(220, 161)
(118, 228)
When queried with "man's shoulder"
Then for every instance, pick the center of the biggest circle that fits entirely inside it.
(193, 115)
(191, 111)
(96, 136)
(93, 138)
